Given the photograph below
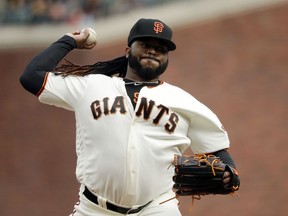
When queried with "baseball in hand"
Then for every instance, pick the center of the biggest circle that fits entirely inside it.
(92, 36)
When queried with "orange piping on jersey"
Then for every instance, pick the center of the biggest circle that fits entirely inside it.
(43, 84)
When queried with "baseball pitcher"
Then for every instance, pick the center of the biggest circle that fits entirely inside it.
(131, 125)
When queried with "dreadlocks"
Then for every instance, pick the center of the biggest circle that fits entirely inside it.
(117, 66)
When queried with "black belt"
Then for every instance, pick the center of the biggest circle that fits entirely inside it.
(93, 198)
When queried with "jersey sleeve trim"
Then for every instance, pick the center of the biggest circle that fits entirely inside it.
(43, 85)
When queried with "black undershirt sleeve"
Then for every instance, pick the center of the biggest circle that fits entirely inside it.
(34, 74)
(225, 157)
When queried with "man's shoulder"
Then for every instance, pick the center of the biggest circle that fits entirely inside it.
(174, 88)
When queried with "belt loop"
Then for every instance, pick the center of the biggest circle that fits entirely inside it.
(102, 202)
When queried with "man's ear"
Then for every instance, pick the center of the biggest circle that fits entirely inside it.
(127, 50)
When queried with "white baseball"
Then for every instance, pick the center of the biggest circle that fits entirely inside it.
(92, 36)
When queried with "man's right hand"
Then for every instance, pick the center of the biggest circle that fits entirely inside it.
(80, 37)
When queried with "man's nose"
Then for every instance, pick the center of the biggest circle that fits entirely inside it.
(151, 50)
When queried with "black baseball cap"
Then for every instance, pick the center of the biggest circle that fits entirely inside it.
(151, 28)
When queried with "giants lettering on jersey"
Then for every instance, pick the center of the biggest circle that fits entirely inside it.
(144, 110)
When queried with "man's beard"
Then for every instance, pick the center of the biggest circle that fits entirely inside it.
(146, 73)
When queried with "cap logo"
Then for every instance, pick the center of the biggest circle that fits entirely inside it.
(158, 27)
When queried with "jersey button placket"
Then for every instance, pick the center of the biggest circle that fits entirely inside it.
(132, 164)
(133, 157)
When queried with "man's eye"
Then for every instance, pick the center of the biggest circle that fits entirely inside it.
(162, 49)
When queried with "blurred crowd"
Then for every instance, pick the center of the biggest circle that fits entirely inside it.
(29, 12)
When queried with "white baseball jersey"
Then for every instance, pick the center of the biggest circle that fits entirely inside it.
(124, 154)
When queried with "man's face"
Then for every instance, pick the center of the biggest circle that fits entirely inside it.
(148, 58)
